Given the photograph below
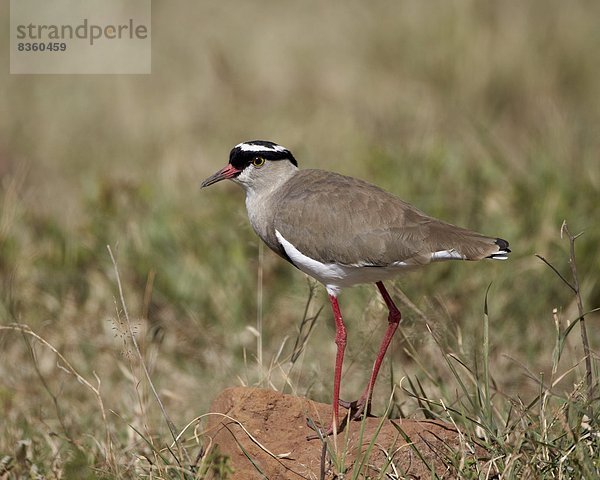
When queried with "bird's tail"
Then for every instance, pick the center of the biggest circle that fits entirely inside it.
(503, 250)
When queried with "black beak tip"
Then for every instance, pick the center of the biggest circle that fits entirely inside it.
(209, 181)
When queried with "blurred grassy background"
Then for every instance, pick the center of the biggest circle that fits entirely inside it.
(486, 114)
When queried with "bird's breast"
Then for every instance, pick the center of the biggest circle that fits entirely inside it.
(260, 215)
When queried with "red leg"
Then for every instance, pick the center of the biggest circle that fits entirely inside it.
(394, 317)
(340, 341)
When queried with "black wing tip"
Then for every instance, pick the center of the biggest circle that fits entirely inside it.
(503, 250)
(502, 245)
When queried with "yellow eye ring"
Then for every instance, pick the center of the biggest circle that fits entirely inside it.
(258, 162)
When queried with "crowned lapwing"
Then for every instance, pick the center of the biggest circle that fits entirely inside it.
(343, 231)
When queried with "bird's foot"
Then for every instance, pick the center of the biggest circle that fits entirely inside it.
(321, 432)
(358, 408)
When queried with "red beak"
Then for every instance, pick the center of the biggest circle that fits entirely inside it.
(229, 171)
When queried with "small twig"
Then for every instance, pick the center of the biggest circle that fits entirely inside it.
(584, 336)
(557, 273)
(170, 424)
(259, 306)
(148, 294)
(275, 456)
(322, 469)
(307, 323)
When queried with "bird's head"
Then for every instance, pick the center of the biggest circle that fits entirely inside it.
(255, 162)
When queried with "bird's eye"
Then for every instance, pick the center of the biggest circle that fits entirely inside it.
(258, 162)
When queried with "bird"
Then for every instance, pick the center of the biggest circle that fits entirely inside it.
(343, 231)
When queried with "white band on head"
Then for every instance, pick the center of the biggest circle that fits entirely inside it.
(251, 147)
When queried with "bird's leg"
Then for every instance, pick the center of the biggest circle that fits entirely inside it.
(363, 404)
(340, 341)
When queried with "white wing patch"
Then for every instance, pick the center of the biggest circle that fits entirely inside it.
(324, 272)
(335, 276)
(446, 255)
(501, 255)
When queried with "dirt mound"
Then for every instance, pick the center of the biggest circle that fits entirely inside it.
(273, 441)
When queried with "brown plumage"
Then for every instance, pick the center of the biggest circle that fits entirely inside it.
(375, 228)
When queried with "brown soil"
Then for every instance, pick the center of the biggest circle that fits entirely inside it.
(278, 423)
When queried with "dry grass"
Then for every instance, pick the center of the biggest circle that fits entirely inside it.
(484, 114)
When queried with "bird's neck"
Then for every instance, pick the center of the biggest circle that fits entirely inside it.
(260, 196)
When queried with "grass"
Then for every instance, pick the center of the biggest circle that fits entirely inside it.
(484, 114)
